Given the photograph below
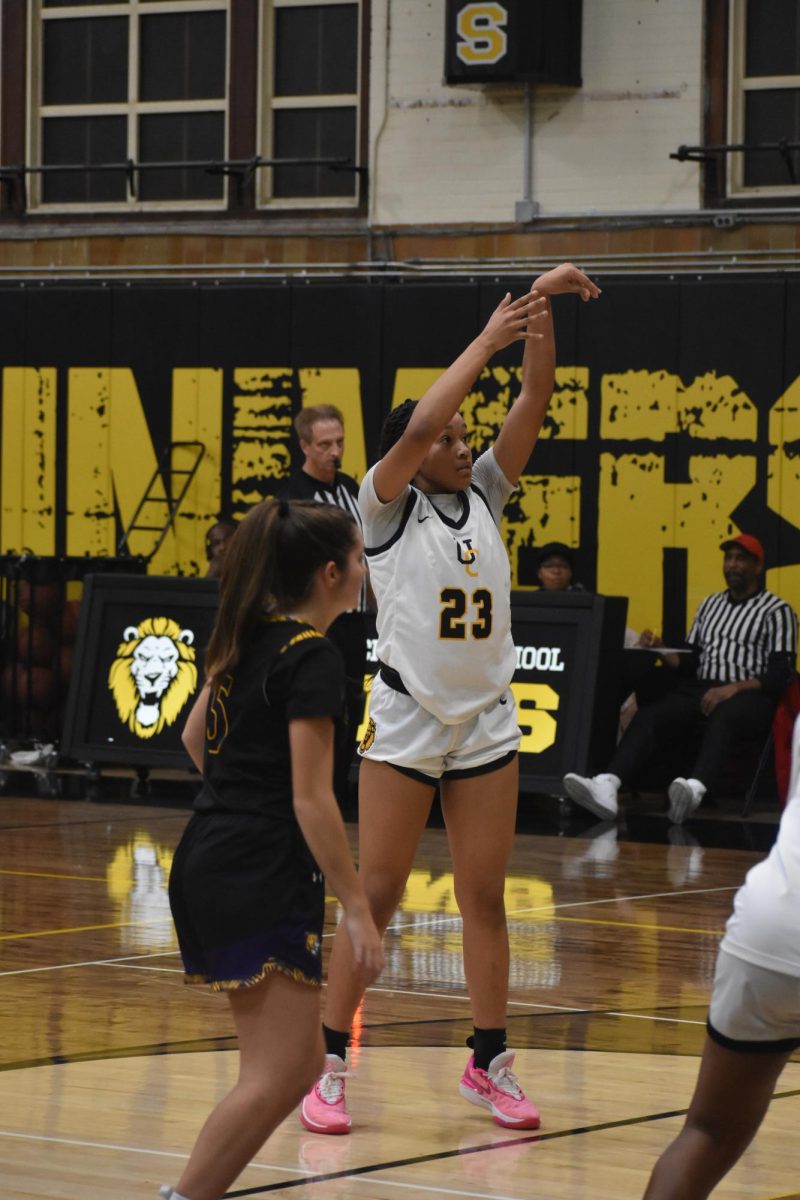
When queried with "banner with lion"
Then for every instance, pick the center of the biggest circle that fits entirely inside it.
(154, 674)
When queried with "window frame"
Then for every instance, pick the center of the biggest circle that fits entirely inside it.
(268, 103)
(726, 92)
(132, 109)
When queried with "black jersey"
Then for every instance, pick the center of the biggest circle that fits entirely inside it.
(288, 670)
(343, 492)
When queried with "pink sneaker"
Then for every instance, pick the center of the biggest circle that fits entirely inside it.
(497, 1089)
(324, 1109)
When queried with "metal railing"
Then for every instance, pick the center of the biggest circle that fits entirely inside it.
(711, 151)
(241, 170)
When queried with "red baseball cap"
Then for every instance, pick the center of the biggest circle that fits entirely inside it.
(747, 542)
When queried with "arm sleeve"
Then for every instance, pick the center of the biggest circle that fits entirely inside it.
(778, 675)
(783, 630)
(693, 636)
(489, 478)
(782, 652)
(380, 520)
(314, 680)
(688, 663)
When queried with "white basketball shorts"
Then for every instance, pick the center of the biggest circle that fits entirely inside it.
(404, 734)
(752, 1008)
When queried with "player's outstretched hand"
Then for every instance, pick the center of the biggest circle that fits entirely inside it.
(567, 278)
(366, 942)
(513, 320)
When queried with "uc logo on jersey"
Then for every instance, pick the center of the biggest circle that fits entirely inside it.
(467, 555)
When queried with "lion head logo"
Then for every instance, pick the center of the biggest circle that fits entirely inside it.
(153, 675)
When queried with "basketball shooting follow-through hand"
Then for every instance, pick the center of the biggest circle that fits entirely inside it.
(514, 320)
(566, 278)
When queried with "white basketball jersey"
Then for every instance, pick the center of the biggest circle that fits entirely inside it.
(444, 614)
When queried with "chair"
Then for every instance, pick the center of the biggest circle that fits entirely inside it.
(782, 726)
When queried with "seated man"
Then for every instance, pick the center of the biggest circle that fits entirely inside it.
(744, 644)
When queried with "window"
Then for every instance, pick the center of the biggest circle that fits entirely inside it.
(764, 97)
(115, 81)
(311, 102)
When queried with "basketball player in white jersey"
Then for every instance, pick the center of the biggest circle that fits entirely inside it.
(753, 1019)
(442, 712)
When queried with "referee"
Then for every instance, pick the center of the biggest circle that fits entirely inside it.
(320, 431)
(742, 651)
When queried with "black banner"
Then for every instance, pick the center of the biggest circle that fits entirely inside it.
(675, 419)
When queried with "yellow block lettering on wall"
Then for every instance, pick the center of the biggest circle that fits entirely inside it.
(110, 458)
(28, 486)
(783, 483)
(411, 383)
(111, 461)
(648, 405)
(196, 416)
(544, 508)
(640, 515)
(261, 434)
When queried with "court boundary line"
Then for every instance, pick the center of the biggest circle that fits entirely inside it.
(64, 1141)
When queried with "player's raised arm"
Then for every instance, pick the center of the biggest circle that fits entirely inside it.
(521, 427)
(511, 321)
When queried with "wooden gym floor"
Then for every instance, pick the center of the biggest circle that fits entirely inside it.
(110, 1064)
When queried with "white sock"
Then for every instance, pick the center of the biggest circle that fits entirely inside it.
(697, 787)
(169, 1193)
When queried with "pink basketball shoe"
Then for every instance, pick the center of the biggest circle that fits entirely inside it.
(498, 1090)
(324, 1109)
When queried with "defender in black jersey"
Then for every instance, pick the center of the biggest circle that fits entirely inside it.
(236, 921)
(246, 887)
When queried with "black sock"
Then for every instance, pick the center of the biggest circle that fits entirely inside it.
(486, 1044)
(336, 1041)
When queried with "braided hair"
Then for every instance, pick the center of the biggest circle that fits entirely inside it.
(395, 425)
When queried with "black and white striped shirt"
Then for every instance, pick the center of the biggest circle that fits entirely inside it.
(745, 639)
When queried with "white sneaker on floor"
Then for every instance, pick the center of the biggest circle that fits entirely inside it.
(598, 794)
(685, 795)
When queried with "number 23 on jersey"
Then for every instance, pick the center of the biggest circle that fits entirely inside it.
(462, 614)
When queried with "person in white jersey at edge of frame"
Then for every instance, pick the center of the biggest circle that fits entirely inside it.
(753, 1019)
(441, 710)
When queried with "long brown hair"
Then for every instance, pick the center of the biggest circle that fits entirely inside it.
(270, 562)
